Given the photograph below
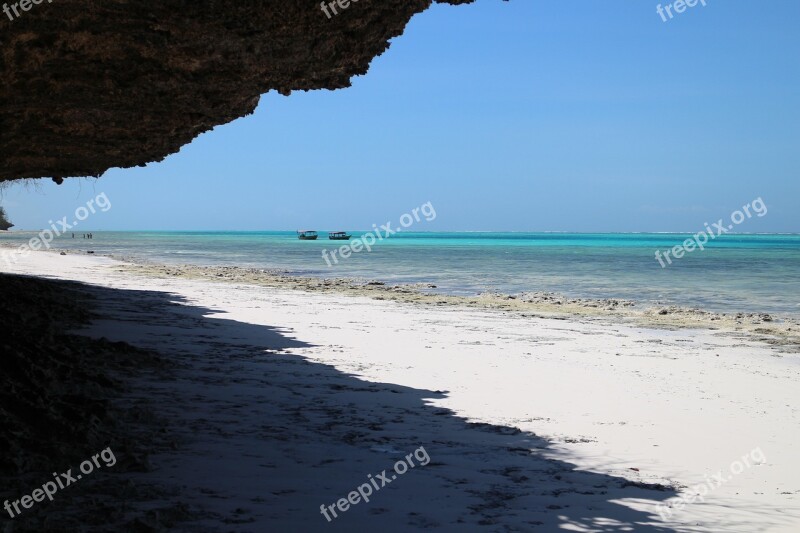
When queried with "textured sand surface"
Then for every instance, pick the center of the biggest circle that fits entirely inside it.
(288, 399)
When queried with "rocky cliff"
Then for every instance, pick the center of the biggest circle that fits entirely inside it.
(87, 85)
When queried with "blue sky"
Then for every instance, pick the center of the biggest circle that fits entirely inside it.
(533, 116)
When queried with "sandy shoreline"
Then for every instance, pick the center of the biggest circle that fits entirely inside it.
(780, 332)
(295, 389)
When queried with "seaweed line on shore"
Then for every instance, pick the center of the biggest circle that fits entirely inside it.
(782, 333)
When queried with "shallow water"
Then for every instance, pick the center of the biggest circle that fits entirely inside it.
(750, 273)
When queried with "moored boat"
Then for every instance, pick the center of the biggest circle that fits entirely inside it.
(307, 235)
(339, 236)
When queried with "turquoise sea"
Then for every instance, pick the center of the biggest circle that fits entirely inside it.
(747, 273)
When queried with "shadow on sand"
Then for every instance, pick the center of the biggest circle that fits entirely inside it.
(263, 438)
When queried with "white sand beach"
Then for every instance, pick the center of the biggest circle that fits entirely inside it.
(287, 400)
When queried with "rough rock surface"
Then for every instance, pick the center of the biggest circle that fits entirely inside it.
(87, 85)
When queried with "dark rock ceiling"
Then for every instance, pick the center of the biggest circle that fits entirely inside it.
(87, 85)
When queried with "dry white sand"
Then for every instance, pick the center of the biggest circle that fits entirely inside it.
(288, 400)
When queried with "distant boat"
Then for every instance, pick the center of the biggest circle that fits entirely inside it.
(339, 236)
(307, 235)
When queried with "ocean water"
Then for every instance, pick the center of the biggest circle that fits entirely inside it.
(735, 273)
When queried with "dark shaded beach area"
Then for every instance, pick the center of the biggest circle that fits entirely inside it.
(222, 431)
(61, 401)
